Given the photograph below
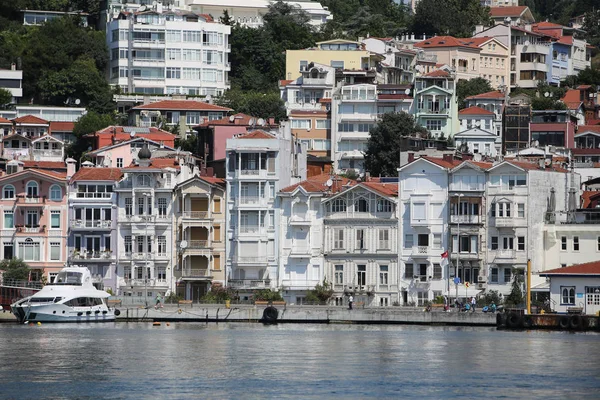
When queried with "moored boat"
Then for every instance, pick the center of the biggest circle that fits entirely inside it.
(71, 298)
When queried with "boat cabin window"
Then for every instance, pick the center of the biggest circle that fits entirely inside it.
(84, 302)
(41, 300)
(68, 278)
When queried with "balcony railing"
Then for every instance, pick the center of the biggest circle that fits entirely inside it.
(195, 273)
(91, 255)
(464, 219)
(250, 283)
(91, 224)
(195, 214)
(93, 195)
(251, 259)
(506, 254)
(249, 200)
(47, 153)
(504, 222)
(249, 171)
(249, 229)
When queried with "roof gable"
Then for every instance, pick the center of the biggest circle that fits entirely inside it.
(30, 119)
(590, 268)
(475, 132)
(474, 110)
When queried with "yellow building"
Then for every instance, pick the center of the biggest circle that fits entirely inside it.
(338, 53)
(493, 61)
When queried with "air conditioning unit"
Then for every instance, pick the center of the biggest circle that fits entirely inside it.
(481, 279)
(481, 286)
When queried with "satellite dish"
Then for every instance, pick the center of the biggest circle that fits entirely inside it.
(329, 183)
(407, 92)
(547, 94)
(208, 97)
(507, 20)
(478, 123)
(252, 121)
(526, 43)
(77, 101)
(231, 118)
(261, 122)
(183, 244)
(132, 134)
(142, 8)
(200, 121)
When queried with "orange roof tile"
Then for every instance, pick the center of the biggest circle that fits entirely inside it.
(441, 162)
(512, 11)
(181, 105)
(590, 268)
(60, 126)
(489, 95)
(97, 174)
(5, 121)
(238, 119)
(572, 99)
(285, 82)
(446, 41)
(586, 128)
(213, 179)
(566, 40)
(474, 111)
(438, 73)
(53, 174)
(30, 119)
(587, 196)
(155, 134)
(316, 184)
(387, 189)
(257, 134)
(44, 164)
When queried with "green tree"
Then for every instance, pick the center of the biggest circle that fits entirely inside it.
(266, 295)
(82, 80)
(320, 294)
(515, 298)
(471, 87)
(449, 17)
(89, 123)
(14, 268)
(385, 142)
(217, 295)
(256, 104)
(5, 98)
(547, 103)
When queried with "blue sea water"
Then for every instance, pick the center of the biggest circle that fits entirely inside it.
(252, 361)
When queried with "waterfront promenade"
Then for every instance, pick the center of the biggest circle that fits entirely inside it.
(305, 314)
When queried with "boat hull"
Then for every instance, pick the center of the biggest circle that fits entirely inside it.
(61, 313)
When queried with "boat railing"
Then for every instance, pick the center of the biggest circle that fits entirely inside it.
(65, 284)
(21, 283)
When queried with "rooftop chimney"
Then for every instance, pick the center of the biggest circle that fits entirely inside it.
(448, 157)
(71, 167)
(411, 157)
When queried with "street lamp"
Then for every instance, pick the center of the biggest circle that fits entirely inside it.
(148, 197)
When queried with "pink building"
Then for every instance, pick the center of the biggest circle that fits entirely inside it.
(34, 218)
(121, 154)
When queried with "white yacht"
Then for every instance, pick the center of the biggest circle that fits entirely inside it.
(71, 298)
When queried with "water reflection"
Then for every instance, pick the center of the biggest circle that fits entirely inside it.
(138, 360)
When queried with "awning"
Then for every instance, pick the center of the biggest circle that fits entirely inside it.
(542, 287)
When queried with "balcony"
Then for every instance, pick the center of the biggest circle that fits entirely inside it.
(249, 229)
(533, 66)
(504, 222)
(423, 251)
(434, 111)
(195, 248)
(465, 219)
(83, 224)
(193, 273)
(92, 256)
(300, 220)
(314, 82)
(30, 229)
(250, 283)
(300, 252)
(35, 201)
(146, 283)
(194, 215)
(252, 172)
(47, 153)
(249, 200)
(143, 256)
(506, 254)
(92, 195)
(251, 259)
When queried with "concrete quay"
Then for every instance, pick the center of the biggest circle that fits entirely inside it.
(305, 314)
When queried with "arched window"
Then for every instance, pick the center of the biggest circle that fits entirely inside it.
(338, 205)
(32, 189)
(55, 193)
(8, 192)
(568, 295)
(143, 180)
(384, 205)
(361, 205)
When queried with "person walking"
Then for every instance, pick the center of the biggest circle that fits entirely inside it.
(473, 304)
(350, 301)
(158, 301)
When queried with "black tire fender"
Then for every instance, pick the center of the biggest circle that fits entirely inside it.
(576, 322)
(514, 320)
(270, 314)
(117, 312)
(527, 321)
(500, 320)
(563, 322)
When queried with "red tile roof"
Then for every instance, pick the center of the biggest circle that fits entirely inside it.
(181, 105)
(52, 174)
(59, 126)
(44, 164)
(474, 111)
(566, 40)
(584, 128)
(257, 134)
(30, 119)
(5, 121)
(97, 174)
(441, 162)
(155, 134)
(446, 41)
(387, 189)
(438, 73)
(489, 95)
(583, 151)
(512, 11)
(316, 184)
(590, 268)
(213, 179)
(587, 196)
(593, 122)
(285, 82)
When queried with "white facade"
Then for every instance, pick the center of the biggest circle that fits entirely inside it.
(258, 166)
(301, 265)
(423, 231)
(146, 242)
(360, 244)
(316, 83)
(478, 141)
(154, 52)
(577, 290)
(12, 80)
(49, 113)
(491, 102)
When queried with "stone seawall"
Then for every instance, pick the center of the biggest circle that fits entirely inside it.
(306, 314)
